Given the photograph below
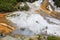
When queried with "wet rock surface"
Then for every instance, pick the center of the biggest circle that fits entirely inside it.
(33, 23)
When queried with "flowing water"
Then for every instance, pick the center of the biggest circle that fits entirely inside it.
(35, 22)
(31, 23)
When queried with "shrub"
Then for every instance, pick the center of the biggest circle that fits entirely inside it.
(7, 5)
(10, 5)
(53, 38)
(57, 3)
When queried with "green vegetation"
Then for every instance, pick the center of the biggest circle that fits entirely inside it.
(7, 5)
(53, 38)
(12, 5)
(49, 37)
(39, 37)
(25, 7)
(57, 3)
(31, 1)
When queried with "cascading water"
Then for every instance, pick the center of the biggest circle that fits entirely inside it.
(33, 21)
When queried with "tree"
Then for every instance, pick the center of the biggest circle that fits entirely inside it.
(57, 3)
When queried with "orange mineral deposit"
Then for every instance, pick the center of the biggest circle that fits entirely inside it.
(5, 28)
